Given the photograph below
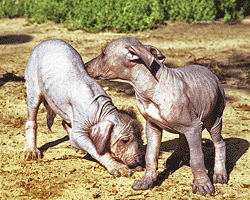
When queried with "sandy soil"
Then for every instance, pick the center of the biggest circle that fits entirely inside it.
(64, 174)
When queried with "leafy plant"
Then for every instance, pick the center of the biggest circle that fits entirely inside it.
(10, 8)
(191, 10)
(45, 10)
(120, 15)
(230, 10)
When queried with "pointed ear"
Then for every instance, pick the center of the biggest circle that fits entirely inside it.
(151, 62)
(100, 133)
(139, 52)
(156, 52)
(131, 55)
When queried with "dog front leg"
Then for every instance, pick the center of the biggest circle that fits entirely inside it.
(154, 135)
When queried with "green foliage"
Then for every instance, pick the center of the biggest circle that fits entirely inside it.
(38, 10)
(123, 16)
(120, 15)
(11, 9)
(191, 10)
(48, 10)
(89, 15)
(231, 9)
(194, 10)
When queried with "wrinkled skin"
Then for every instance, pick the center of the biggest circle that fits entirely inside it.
(55, 75)
(181, 100)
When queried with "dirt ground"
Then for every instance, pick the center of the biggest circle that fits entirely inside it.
(64, 174)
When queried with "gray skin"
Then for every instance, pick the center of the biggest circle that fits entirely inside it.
(55, 75)
(183, 100)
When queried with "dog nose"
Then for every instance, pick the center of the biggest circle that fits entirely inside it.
(89, 70)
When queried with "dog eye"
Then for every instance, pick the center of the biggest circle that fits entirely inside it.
(125, 140)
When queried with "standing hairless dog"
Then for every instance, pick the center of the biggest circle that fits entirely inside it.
(182, 100)
(55, 75)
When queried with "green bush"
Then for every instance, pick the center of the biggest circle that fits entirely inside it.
(37, 10)
(89, 15)
(194, 10)
(123, 16)
(230, 10)
(49, 10)
(11, 9)
(191, 10)
(120, 15)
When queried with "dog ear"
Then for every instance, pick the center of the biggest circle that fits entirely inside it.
(100, 133)
(156, 52)
(140, 52)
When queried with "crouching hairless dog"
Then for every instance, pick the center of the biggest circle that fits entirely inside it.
(182, 100)
(55, 75)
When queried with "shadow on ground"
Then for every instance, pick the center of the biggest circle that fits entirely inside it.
(14, 39)
(46, 146)
(10, 77)
(236, 147)
(236, 66)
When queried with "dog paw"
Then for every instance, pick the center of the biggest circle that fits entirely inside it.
(144, 183)
(32, 154)
(203, 186)
(220, 178)
(120, 170)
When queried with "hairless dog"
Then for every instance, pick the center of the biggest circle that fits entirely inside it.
(182, 100)
(55, 75)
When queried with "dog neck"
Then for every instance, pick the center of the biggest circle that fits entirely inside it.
(143, 80)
